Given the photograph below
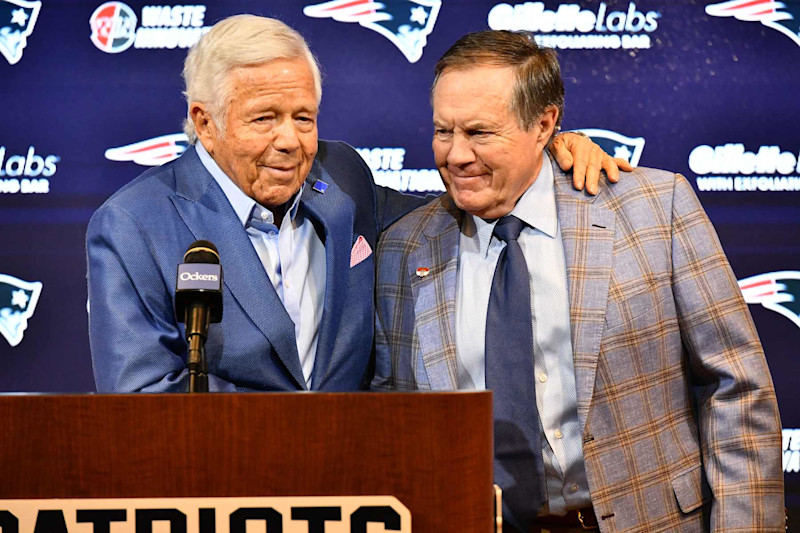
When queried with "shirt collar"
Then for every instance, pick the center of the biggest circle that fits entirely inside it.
(536, 207)
(242, 204)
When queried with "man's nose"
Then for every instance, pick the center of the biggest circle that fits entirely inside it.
(460, 152)
(286, 137)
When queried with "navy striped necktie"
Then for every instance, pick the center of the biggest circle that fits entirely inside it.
(519, 467)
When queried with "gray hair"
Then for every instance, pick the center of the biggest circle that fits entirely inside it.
(537, 83)
(234, 42)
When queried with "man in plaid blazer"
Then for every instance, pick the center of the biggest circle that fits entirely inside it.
(678, 426)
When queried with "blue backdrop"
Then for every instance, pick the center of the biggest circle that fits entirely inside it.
(91, 95)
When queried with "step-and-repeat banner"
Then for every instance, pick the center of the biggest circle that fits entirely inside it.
(90, 96)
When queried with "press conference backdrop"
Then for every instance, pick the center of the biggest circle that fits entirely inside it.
(90, 96)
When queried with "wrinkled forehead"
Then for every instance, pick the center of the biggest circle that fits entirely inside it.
(290, 79)
(298, 65)
(483, 87)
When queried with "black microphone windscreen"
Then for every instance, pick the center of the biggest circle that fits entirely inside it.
(199, 281)
(202, 251)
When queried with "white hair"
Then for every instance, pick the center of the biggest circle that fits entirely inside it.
(235, 42)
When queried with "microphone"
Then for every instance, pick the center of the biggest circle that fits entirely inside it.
(198, 303)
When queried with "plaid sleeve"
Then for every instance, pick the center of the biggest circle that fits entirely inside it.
(395, 339)
(737, 410)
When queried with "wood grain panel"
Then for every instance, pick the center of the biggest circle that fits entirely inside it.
(433, 451)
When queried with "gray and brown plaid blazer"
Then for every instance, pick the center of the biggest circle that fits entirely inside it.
(680, 423)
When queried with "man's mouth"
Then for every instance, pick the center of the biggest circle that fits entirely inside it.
(286, 171)
(467, 177)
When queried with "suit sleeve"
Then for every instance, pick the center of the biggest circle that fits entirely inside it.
(383, 378)
(392, 205)
(135, 341)
(388, 205)
(739, 425)
(391, 299)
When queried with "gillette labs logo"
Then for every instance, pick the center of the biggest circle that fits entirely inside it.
(27, 173)
(730, 167)
(570, 27)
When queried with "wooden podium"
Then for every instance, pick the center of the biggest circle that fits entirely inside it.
(432, 451)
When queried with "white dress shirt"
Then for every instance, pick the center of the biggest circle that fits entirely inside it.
(293, 257)
(556, 396)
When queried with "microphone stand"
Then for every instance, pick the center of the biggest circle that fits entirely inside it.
(197, 315)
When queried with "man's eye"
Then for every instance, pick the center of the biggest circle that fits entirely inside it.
(480, 133)
(266, 117)
(441, 132)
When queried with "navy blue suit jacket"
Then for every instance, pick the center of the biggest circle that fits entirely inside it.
(138, 237)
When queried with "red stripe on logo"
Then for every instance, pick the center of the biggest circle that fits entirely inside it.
(760, 283)
(748, 4)
(345, 6)
(147, 148)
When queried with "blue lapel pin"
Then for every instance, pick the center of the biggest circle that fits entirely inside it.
(320, 186)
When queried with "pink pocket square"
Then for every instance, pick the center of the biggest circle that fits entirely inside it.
(360, 251)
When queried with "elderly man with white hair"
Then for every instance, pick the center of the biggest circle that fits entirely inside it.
(294, 218)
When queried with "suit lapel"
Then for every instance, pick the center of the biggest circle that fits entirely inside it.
(207, 213)
(587, 231)
(434, 295)
(335, 212)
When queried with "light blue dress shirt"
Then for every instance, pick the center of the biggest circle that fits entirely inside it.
(556, 396)
(293, 257)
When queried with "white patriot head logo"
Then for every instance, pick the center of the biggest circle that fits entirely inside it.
(18, 301)
(17, 19)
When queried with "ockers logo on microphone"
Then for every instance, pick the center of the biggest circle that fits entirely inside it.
(571, 27)
(26, 173)
(114, 26)
(387, 169)
(197, 276)
(731, 167)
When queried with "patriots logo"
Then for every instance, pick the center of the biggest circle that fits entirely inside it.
(17, 18)
(18, 300)
(152, 152)
(776, 291)
(406, 23)
(782, 16)
(617, 145)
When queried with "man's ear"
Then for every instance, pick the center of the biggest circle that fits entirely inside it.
(547, 124)
(204, 125)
